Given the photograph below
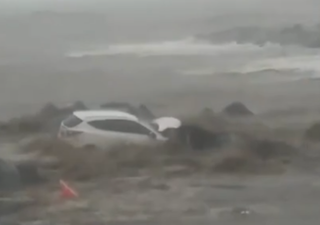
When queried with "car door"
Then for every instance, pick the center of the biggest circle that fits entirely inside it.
(97, 134)
(132, 131)
(112, 131)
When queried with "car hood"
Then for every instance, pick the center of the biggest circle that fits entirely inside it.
(167, 122)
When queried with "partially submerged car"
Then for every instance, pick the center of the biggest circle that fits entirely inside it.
(105, 128)
(102, 128)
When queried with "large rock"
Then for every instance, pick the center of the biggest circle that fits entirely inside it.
(49, 110)
(29, 173)
(10, 179)
(313, 133)
(270, 149)
(237, 109)
(198, 138)
(207, 112)
(48, 119)
(211, 121)
(79, 105)
(15, 175)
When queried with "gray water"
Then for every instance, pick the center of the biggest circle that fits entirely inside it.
(161, 64)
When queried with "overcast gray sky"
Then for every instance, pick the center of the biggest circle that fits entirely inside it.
(166, 11)
(293, 5)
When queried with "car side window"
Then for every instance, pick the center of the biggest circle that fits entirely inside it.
(124, 126)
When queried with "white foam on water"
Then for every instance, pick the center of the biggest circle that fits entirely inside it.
(295, 68)
(183, 47)
(271, 70)
(298, 63)
(249, 59)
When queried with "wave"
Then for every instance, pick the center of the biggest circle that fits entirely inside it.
(296, 34)
(184, 47)
(274, 70)
(284, 69)
(306, 63)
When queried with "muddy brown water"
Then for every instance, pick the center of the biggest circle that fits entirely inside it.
(290, 198)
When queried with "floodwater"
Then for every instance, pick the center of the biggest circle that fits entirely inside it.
(174, 77)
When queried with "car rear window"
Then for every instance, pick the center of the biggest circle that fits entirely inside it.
(72, 121)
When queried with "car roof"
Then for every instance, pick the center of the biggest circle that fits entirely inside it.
(114, 114)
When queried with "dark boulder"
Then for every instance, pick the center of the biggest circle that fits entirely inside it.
(10, 179)
(13, 176)
(79, 105)
(197, 138)
(48, 119)
(29, 173)
(210, 120)
(52, 119)
(49, 110)
(237, 109)
(207, 112)
(270, 149)
(313, 133)
(23, 124)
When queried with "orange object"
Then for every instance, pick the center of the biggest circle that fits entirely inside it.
(66, 191)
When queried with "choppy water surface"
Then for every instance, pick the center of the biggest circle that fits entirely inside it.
(181, 76)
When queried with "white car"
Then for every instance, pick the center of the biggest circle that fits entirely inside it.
(102, 128)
